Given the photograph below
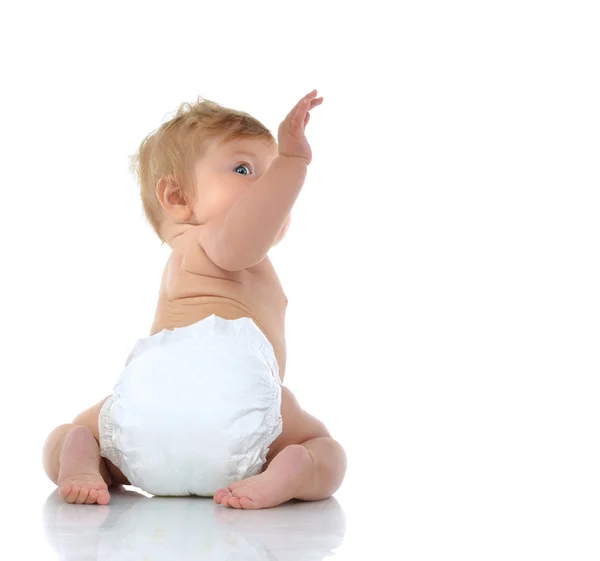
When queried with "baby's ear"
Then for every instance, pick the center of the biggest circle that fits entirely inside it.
(172, 199)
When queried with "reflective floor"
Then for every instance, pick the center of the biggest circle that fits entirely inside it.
(432, 514)
(135, 526)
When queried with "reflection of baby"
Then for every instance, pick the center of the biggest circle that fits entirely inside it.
(191, 528)
(200, 407)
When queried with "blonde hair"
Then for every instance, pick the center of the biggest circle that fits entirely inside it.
(171, 150)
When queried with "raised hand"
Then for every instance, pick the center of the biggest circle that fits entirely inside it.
(290, 136)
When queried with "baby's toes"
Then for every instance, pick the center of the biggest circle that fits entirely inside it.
(72, 496)
(103, 497)
(234, 502)
(248, 503)
(220, 494)
(83, 495)
(92, 497)
(225, 500)
(64, 491)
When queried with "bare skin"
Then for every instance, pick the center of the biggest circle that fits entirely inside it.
(79, 480)
(193, 288)
(304, 462)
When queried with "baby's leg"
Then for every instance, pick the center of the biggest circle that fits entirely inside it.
(303, 463)
(72, 460)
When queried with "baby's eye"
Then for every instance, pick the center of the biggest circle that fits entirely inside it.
(243, 166)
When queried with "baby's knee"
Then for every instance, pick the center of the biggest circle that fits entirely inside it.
(89, 418)
(298, 425)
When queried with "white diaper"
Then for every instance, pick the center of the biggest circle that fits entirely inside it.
(195, 409)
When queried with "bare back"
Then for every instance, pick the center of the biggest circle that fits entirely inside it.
(193, 288)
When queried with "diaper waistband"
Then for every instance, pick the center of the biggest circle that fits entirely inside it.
(243, 330)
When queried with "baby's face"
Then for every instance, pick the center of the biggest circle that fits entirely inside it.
(226, 171)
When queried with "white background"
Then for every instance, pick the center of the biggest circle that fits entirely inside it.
(442, 266)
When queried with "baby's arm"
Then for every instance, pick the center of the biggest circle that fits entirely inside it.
(245, 234)
(250, 227)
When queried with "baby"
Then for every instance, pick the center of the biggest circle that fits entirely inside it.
(200, 408)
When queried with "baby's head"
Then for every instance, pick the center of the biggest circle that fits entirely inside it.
(196, 165)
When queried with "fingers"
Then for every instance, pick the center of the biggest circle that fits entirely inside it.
(298, 118)
(307, 102)
(314, 103)
(302, 100)
(301, 115)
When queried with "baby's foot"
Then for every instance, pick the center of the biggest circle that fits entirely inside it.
(279, 483)
(79, 480)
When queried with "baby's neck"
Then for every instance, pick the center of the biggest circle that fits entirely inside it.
(172, 233)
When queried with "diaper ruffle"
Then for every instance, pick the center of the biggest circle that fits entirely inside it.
(242, 331)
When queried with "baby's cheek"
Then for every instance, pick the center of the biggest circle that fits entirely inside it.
(285, 228)
(282, 232)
